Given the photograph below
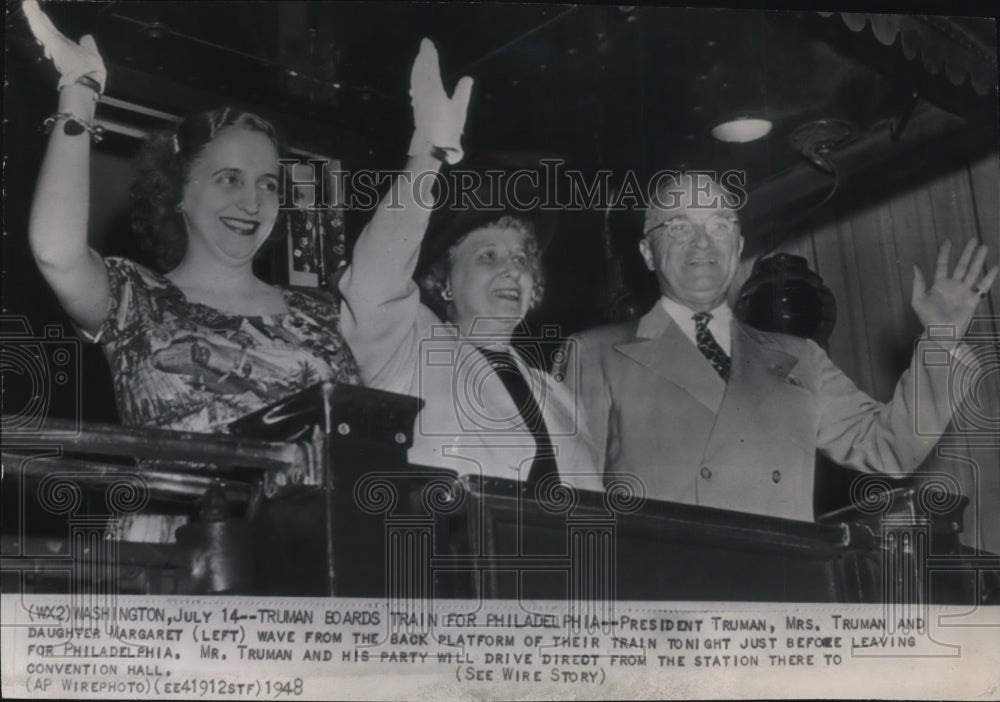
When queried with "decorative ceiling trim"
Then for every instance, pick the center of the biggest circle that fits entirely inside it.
(941, 42)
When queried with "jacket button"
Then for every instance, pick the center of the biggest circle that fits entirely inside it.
(776, 476)
(705, 472)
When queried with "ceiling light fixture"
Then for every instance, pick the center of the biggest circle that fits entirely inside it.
(742, 129)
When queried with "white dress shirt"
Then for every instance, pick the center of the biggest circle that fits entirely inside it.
(722, 316)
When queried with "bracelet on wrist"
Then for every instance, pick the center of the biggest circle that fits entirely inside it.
(88, 82)
(445, 154)
(439, 153)
(74, 126)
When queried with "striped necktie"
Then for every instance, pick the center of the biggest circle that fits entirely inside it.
(544, 463)
(709, 347)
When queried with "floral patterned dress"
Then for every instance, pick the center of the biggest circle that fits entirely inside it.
(183, 365)
(178, 364)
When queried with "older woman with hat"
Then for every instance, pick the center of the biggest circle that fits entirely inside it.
(487, 411)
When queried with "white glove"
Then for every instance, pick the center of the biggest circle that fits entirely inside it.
(72, 60)
(437, 119)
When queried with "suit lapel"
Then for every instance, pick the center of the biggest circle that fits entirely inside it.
(758, 367)
(662, 347)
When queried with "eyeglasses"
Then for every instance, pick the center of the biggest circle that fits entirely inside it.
(682, 229)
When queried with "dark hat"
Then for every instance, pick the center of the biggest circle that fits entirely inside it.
(473, 211)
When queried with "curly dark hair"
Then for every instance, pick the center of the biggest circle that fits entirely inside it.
(434, 280)
(160, 172)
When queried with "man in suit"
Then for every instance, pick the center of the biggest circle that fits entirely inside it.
(706, 410)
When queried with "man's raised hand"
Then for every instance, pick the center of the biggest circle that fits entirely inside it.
(952, 298)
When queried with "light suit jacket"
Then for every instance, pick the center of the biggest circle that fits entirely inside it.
(659, 411)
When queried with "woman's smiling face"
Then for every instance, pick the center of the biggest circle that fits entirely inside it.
(231, 196)
(492, 276)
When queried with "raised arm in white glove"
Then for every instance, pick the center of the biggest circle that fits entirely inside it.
(438, 120)
(57, 229)
(380, 297)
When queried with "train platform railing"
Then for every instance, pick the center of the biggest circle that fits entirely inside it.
(244, 512)
(314, 497)
(70, 495)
